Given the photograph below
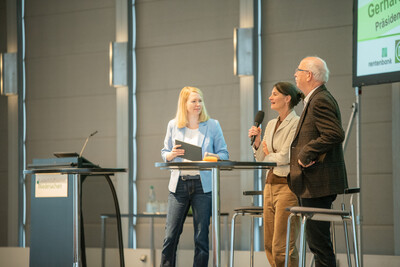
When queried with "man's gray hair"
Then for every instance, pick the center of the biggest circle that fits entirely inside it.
(319, 69)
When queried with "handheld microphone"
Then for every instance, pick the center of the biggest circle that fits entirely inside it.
(257, 121)
(87, 139)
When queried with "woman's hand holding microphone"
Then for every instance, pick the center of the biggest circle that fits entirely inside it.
(255, 131)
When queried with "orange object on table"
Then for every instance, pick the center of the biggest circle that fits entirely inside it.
(210, 158)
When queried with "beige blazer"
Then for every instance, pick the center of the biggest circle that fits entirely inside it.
(282, 138)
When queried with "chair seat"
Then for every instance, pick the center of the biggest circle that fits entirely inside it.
(249, 209)
(328, 215)
(253, 212)
(318, 214)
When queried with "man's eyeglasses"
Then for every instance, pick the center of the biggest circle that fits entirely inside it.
(297, 70)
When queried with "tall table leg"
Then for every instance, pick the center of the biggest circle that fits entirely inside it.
(76, 218)
(152, 247)
(103, 240)
(216, 218)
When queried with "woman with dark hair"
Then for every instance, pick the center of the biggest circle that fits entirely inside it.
(275, 147)
(190, 188)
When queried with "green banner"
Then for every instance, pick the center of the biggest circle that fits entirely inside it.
(376, 18)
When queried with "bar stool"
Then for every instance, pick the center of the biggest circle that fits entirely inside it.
(317, 214)
(253, 212)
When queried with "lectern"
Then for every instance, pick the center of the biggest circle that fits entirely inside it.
(56, 209)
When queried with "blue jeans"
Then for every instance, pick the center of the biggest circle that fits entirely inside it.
(188, 193)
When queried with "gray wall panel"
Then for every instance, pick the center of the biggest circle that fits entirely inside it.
(3, 206)
(4, 135)
(49, 7)
(377, 104)
(97, 199)
(200, 64)
(282, 52)
(70, 33)
(377, 146)
(3, 149)
(66, 118)
(74, 75)
(378, 240)
(180, 22)
(376, 212)
(293, 16)
(3, 27)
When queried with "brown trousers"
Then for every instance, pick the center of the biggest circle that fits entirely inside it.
(277, 197)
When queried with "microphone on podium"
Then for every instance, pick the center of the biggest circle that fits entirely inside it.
(257, 121)
(87, 139)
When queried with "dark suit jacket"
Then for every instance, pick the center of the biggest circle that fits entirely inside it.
(319, 138)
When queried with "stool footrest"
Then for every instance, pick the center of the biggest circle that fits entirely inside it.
(252, 193)
(352, 190)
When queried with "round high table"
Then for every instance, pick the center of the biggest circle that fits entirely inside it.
(215, 168)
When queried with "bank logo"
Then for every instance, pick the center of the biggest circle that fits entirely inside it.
(397, 52)
(384, 52)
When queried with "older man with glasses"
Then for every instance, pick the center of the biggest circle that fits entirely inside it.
(317, 167)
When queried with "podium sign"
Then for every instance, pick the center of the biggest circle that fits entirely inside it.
(51, 185)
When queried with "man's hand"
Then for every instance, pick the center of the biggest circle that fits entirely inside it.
(306, 166)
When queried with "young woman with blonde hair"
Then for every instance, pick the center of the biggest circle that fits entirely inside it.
(190, 188)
